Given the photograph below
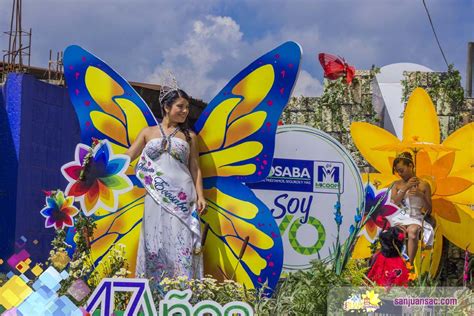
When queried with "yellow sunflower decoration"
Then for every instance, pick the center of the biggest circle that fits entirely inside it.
(450, 174)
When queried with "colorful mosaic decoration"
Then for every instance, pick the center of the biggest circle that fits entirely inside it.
(41, 298)
(79, 290)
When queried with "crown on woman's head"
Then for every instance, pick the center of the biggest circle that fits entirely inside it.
(168, 84)
(404, 155)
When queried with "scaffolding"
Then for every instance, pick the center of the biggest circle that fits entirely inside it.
(56, 69)
(17, 57)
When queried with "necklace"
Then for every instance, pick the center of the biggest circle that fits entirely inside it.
(166, 143)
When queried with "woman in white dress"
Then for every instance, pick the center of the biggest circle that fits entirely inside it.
(413, 196)
(168, 168)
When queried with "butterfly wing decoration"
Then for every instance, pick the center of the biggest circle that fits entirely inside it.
(236, 135)
(335, 67)
(107, 107)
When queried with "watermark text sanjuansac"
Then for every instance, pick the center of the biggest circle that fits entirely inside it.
(400, 300)
(425, 301)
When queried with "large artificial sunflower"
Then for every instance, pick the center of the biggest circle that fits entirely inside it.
(450, 174)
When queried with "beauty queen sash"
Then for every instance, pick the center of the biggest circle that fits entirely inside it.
(169, 195)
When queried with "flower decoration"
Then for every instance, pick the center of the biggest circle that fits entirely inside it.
(47, 192)
(447, 190)
(182, 196)
(466, 267)
(357, 217)
(378, 219)
(148, 180)
(401, 236)
(450, 175)
(59, 211)
(351, 229)
(412, 276)
(373, 299)
(97, 177)
(337, 213)
(60, 260)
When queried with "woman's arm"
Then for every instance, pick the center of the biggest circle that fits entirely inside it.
(427, 198)
(397, 194)
(196, 174)
(398, 191)
(137, 145)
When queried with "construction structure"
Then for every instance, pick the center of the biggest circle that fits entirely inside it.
(17, 57)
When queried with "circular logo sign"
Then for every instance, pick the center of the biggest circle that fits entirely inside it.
(310, 168)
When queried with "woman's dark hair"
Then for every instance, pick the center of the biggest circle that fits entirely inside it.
(390, 241)
(168, 100)
(405, 157)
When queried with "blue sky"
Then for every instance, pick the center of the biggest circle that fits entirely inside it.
(205, 43)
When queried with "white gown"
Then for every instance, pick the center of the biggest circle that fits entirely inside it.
(167, 239)
(409, 214)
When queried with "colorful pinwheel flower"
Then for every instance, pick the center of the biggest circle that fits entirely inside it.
(378, 218)
(59, 211)
(102, 180)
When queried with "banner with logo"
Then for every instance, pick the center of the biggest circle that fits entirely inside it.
(309, 169)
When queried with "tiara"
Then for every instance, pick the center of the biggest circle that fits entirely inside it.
(404, 156)
(168, 85)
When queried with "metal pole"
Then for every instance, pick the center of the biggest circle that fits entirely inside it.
(10, 48)
(49, 64)
(469, 66)
(20, 33)
(29, 48)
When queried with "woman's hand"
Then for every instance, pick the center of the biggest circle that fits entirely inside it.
(201, 205)
(197, 176)
(411, 183)
(414, 191)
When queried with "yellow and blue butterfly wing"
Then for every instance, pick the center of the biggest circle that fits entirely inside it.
(246, 111)
(236, 134)
(107, 107)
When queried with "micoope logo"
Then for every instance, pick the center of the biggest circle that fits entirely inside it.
(328, 173)
(329, 177)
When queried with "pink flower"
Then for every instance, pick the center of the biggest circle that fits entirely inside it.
(182, 196)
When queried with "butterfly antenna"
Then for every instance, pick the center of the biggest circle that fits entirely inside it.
(204, 234)
(222, 272)
(242, 251)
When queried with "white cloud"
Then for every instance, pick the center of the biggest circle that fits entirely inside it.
(307, 85)
(213, 51)
(207, 44)
(213, 41)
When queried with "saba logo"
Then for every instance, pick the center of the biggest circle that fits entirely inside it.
(291, 169)
(289, 172)
(329, 177)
